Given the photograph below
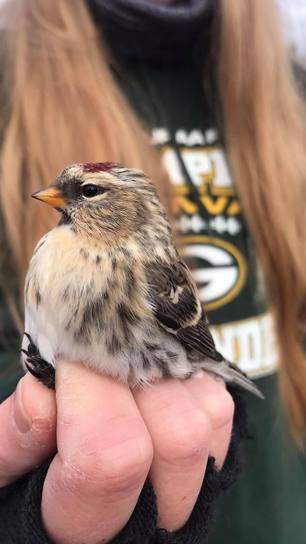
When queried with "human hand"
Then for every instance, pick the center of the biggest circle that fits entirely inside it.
(108, 439)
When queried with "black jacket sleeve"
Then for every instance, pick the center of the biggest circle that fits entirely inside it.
(20, 517)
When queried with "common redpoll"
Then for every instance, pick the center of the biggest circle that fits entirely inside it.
(107, 286)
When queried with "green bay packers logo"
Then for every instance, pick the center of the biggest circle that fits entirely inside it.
(219, 269)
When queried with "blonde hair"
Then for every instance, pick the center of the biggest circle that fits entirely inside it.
(65, 106)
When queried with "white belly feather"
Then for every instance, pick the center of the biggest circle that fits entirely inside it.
(55, 302)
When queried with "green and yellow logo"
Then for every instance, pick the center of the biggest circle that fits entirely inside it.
(219, 270)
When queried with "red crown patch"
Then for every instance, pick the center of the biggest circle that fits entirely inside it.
(98, 166)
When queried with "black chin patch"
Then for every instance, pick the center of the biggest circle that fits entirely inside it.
(65, 219)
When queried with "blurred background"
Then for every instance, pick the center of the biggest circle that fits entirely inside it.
(293, 13)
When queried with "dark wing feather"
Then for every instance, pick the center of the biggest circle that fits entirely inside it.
(176, 306)
(198, 338)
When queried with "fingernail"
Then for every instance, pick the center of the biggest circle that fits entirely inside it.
(23, 421)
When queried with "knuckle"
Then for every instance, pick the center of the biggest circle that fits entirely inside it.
(187, 440)
(43, 426)
(220, 408)
(115, 470)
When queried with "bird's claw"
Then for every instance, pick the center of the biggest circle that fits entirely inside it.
(37, 366)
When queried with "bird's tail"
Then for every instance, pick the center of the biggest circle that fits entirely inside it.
(231, 374)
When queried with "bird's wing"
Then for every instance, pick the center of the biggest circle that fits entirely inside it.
(176, 306)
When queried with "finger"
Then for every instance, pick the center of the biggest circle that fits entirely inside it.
(27, 422)
(213, 398)
(180, 433)
(104, 455)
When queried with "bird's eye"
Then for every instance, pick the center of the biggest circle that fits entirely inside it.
(90, 190)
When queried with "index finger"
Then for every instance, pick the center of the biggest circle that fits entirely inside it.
(104, 455)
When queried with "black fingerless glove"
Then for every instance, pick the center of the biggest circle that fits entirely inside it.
(20, 514)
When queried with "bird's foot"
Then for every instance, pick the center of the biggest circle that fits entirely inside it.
(37, 366)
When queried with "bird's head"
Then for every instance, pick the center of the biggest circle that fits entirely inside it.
(103, 199)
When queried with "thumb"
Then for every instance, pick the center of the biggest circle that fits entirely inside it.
(28, 429)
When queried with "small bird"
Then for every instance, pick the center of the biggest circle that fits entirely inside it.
(107, 286)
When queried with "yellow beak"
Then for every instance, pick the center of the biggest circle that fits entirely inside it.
(52, 195)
